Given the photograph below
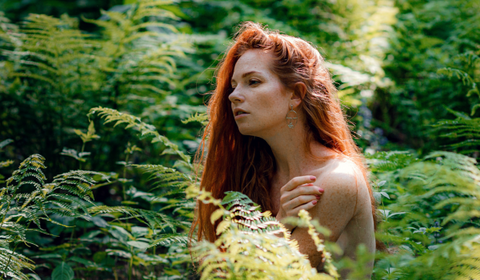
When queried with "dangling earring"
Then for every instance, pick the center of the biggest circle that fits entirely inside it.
(291, 117)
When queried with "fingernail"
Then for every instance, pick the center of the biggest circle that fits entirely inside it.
(313, 178)
(317, 197)
(321, 190)
(314, 202)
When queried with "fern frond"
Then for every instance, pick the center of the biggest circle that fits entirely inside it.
(389, 161)
(104, 209)
(149, 11)
(6, 163)
(463, 126)
(470, 58)
(197, 117)
(111, 115)
(232, 199)
(253, 256)
(77, 182)
(247, 246)
(185, 206)
(74, 202)
(13, 263)
(459, 74)
(15, 229)
(168, 239)
(165, 173)
(74, 154)
(448, 193)
(158, 220)
(30, 167)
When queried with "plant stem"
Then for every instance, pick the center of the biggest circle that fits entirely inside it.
(10, 258)
(125, 177)
(130, 268)
(83, 148)
(71, 235)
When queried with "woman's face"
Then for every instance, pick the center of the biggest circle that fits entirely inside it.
(259, 93)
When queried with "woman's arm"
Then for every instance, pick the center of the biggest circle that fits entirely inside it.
(298, 194)
(345, 196)
(334, 210)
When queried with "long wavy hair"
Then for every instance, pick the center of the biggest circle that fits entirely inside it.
(236, 162)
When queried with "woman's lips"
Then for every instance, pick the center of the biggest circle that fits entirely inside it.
(240, 116)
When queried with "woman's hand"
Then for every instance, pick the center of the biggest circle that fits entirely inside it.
(299, 193)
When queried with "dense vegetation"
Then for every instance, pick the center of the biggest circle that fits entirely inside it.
(101, 112)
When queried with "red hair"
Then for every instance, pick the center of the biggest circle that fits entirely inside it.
(236, 162)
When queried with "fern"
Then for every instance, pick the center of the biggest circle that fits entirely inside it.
(470, 58)
(389, 161)
(201, 118)
(468, 267)
(13, 263)
(459, 74)
(247, 216)
(111, 115)
(50, 50)
(27, 198)
(165, 176)
(141, 35)
(463, 127)
(247, 247)
(169, 239)
(439, 229)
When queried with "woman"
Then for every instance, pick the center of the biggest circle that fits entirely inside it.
(277, 134)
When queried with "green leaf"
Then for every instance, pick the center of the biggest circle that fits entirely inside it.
(5, 143)
(62, 272)
(216, 215)
(474, 109)
(99, 256)
(138, 244)
(433, 229)
(85, 262)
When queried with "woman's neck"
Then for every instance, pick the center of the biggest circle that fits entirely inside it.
(291, 155)
(289, 149)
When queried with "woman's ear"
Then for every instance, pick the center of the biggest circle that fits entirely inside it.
(299, 91)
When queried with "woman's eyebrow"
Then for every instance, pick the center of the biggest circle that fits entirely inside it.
(245, 75)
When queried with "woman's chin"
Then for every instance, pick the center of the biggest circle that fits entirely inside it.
(246, 131)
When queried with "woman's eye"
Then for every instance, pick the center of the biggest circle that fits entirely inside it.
(253, 82)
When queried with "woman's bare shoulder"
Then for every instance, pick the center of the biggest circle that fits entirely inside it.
(342, 174)
(344, 189)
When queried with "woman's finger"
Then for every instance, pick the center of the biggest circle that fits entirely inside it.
(296, 181)
(300, 200)
(306, 189)
(307, 206)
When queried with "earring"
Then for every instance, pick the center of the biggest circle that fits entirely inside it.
(291, 117)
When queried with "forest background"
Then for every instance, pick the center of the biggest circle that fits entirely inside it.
(84, 199)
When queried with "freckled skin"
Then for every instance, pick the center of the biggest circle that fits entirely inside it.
(344, 206)
(260, 94)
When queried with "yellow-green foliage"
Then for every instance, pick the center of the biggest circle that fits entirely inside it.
(248, 247)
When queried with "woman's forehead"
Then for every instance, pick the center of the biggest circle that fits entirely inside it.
(253, 60)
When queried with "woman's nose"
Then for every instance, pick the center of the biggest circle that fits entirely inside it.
(236, 96)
